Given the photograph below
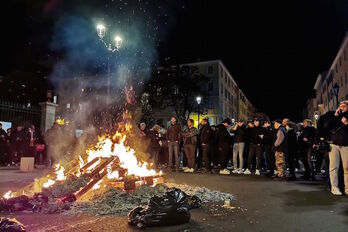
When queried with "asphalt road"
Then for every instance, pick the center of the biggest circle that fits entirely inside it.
(261, 205)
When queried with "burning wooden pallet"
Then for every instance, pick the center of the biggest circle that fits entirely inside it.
(99, 169)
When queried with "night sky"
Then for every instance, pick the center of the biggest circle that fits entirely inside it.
(273, 49)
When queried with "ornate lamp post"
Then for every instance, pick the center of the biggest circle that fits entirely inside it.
(111, 48)
(199, 100)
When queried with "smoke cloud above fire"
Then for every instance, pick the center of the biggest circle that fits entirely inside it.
(79, 76)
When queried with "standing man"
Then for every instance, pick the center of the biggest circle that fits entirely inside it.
(280, 147)
(267, 142)
(238, 147)
(190, 144)
(204, 139)
(256, 137)
(173, 136)
(338, 125)
(223, 140)
(292, 147)
(307, 139)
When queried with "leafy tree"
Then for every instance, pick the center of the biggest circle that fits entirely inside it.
(177, 87)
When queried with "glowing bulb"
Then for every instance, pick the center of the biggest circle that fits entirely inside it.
(101, 30)
(118, 42)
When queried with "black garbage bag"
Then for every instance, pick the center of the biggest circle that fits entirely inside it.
(170, 209)
(194, 202)
(11, 225)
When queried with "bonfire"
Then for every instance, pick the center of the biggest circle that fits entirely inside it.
(110, 163)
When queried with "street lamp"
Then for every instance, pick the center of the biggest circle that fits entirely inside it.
(199, 100)
(336, 89)
(316, 117)
(111, 48)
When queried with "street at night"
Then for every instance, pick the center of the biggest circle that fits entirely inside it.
(173, 115)
(260, 204)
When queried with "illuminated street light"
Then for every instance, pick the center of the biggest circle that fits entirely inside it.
(118, 42)
(111, 48)
(101, 31)
(199, 100)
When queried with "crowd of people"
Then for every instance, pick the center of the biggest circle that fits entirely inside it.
(21, 142)
(279, 149)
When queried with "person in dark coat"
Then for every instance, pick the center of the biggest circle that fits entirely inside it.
(223, 141)
(306, 139)
(19, 144)
(213, 147)
(292, 147)
(338, 125)
(204, 142)
(267, 142)
(256, 136)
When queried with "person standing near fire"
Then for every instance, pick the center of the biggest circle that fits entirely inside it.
(173, 136)
(190, 143)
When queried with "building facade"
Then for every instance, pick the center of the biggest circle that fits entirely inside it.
(327, 84)
(224, 100)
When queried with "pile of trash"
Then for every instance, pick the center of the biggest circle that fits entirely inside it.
(11, 225)
(173, 208)
(116, 201)
(205, 194)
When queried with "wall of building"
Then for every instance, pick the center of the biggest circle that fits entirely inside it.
(338, 73)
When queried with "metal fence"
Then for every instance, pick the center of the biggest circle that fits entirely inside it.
(19, 113)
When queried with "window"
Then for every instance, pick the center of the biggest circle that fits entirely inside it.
(340, 62)
(225, 77)
(210, 69)
(210, 87)
(336, 68)
(229, 95)
(344, 54)
(341, 81)
(221, 89)
(225, 93)
(345, 78)
(229, 82)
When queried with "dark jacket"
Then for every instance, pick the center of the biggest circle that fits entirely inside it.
(223, 137)
(338, 131)
(255, 133)
(240, 134)
(281, 140)
(292, 141)
(154, 140)
(309, 133)
(268, 136)
(204, 134)
(174, 133)
(190, 136)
